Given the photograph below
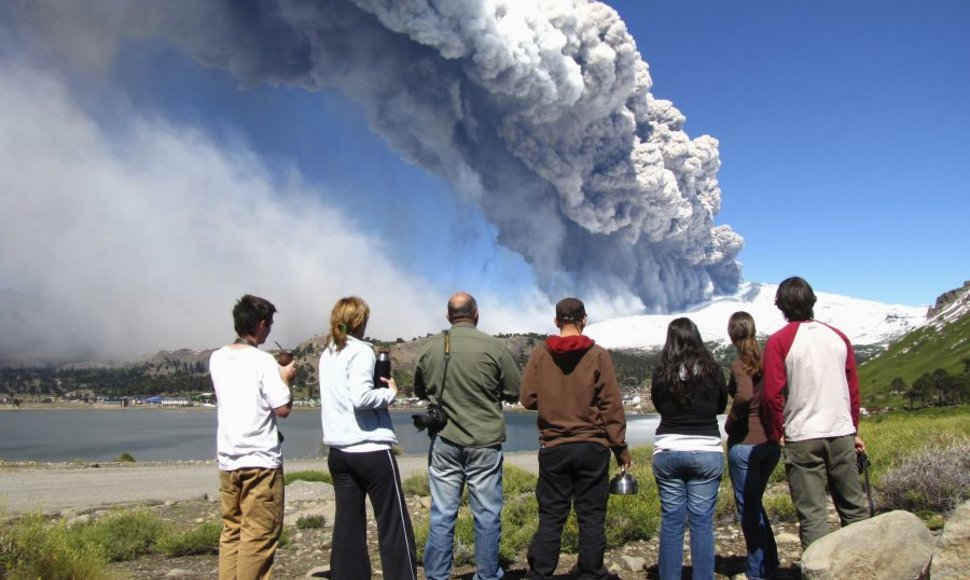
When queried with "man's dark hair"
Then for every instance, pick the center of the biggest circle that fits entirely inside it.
(249, 312)
(462, 306)
(795, 299)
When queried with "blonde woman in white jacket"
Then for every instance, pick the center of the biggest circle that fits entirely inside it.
(357, 428)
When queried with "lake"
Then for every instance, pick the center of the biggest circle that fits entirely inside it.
(90, 435)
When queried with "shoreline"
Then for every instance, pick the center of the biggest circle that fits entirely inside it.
(55, 487)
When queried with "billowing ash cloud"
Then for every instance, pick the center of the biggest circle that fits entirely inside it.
(540, 112)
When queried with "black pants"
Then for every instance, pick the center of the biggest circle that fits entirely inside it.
(571, 474)
(374, 474)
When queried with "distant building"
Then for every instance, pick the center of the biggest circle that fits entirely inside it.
(176, 402)
(85, 395)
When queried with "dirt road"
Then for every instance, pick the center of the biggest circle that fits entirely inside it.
(54, 488)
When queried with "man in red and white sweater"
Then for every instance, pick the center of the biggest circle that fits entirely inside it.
(811, 404)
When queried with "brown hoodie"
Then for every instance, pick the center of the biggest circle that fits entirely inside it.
(571, 382)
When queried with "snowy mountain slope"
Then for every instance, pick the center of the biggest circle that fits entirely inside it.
(864, 322)
(950, 306)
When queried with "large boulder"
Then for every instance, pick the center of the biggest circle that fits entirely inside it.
(952, 557)
(895, 545)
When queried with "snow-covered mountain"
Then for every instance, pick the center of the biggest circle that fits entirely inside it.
(863, 321)
(950, 306)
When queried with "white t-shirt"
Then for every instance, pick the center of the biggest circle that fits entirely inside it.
(819, 402)
(248, 387)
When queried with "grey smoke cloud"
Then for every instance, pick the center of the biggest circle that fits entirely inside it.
(130, 242)
(541, 112)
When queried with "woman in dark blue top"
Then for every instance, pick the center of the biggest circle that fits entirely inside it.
(689, 391)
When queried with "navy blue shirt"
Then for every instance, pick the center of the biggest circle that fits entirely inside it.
(709, 399)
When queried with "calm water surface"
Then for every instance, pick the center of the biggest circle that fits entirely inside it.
(190, 434)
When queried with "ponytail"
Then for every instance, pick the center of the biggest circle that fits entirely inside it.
(349, 315)
(743, 335)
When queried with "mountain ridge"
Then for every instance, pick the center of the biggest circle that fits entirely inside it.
(865, 322)
(941, 343)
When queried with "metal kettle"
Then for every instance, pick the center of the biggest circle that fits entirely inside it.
(624, 484)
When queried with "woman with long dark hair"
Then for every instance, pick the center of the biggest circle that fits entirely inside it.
(689, 392)
(357, 427)
(751, 457)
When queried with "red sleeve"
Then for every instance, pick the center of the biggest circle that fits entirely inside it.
(776, 379)
(850, 374)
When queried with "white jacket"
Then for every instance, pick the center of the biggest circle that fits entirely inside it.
(351, 410)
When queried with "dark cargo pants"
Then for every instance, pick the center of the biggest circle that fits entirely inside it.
(812, 465)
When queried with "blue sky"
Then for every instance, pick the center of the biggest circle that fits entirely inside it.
(842, 131)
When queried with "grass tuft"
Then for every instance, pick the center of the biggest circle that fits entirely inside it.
(33, 548)
(311, 522)
(202, 539)
(779, 506)
(120, 536)
(311, 475)
(416, 486)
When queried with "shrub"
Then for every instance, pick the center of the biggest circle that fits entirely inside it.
(516, 480)
(631, 518)
(520, 518)
(311, 522)
(120, 536)
(416, 485)
(935, 479)
(202, 539)
(311, 475)
(420, 525)
(725, 508)
(779, 506)
(125, 458)
(32, 548)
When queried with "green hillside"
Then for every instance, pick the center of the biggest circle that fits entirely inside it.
(944, 346)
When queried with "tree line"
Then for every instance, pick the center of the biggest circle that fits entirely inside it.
(937, 388)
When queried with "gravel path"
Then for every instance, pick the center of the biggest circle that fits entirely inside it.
(53, 488)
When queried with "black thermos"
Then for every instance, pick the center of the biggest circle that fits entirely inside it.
(382, 368)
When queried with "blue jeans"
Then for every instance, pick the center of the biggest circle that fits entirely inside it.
(751, 467)
(451, 467)
(688, 482)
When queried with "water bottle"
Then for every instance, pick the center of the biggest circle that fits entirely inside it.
(382, 368)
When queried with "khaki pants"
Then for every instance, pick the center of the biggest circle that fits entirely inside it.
(815, 464)
(252, 520)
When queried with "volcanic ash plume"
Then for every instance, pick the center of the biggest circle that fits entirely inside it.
(540, 112)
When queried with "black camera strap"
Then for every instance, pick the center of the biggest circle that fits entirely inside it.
(444, 378)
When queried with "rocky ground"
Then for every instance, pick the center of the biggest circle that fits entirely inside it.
(308, 551)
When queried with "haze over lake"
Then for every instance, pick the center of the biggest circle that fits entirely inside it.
(91, 435)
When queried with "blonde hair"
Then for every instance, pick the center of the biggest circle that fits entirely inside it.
(743, 335)
(349, 315)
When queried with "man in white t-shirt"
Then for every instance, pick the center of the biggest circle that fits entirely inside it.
(252, 391)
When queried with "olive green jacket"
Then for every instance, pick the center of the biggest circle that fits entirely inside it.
(481, 374)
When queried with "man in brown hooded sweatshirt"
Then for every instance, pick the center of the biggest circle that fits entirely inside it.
(571, 382)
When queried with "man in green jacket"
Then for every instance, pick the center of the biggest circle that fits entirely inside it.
(468, 374)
